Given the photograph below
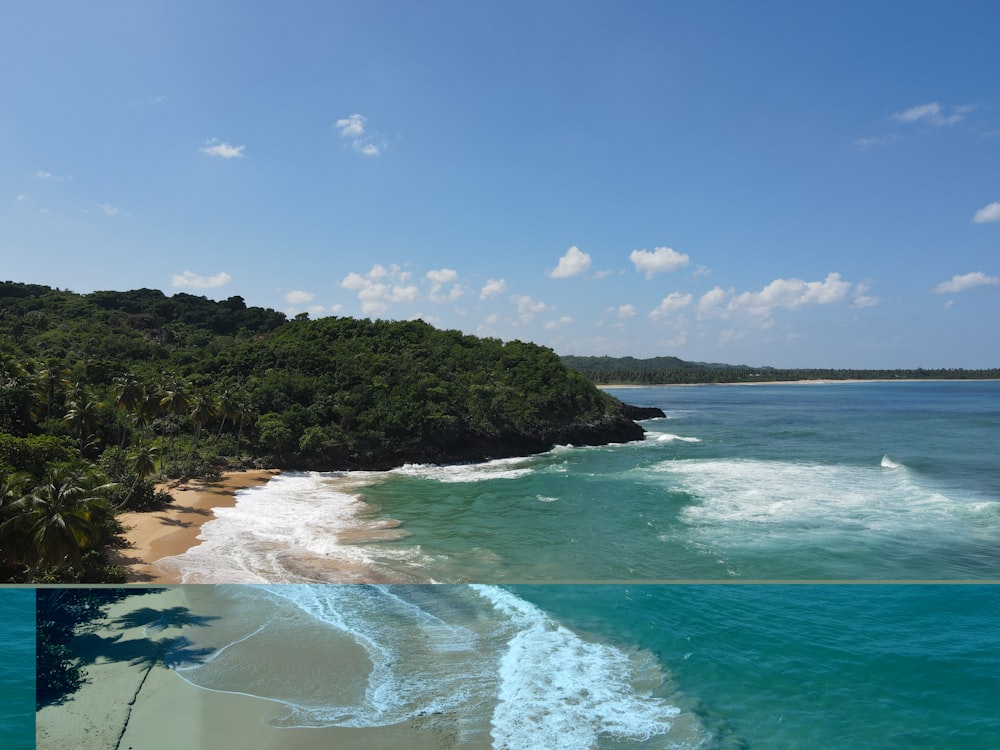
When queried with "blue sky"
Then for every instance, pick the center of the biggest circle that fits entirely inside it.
(771, 183)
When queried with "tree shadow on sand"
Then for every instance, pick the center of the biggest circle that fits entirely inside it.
(161, 619)
(80, 640)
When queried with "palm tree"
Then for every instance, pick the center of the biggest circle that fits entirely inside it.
(48, 381)
(84, 418)
(59, 519)
(12, 487)
(129, 396)
(203, 409)
(174, 399)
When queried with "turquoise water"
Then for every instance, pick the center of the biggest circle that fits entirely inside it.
(589, 667)
(841, 481)
(17, 669)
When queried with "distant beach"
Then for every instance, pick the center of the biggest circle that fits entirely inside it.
(175, 529)
(133, 699)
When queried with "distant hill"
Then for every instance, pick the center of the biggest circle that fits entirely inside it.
(671, 370)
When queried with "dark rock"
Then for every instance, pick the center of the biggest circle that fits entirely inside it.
(641, 412)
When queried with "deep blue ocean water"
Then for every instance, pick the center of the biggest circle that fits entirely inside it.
(844, 481)
(17, 669)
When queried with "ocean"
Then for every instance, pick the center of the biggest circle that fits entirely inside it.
(601, 667)
(811, 481)
(17, 669)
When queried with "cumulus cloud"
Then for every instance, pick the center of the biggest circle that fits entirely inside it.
(191, 280)
(298, 297)
(380, 287)
(670, 304)
(554, 324)
(438, 279)
(932, 113)
(355, 127)
(223, 150)
(787, 294)
(862, 298)
(625, 311)
(492, 288)
(964, 282)
(660, 260)
(573, 263)
(988, 213)
(528, 308)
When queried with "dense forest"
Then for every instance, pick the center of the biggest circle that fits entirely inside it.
(102, 394)
(671, 371)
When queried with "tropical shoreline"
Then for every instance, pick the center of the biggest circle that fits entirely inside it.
(132, 697)
(175, 529)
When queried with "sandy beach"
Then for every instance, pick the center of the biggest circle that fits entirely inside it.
(175, 529)
(132, 698)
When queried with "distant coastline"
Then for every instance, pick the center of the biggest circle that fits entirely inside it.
(804, 381)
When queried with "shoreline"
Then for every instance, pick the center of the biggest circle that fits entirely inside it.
(133, 698)
(816, 381)
(175, 529)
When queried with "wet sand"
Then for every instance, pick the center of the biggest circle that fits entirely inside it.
(175, 529)
(132, 700)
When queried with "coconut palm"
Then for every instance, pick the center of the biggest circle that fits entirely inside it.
(84, 418)
(59, 518)
(12, 488)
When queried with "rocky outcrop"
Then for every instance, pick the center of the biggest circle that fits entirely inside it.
(641, 412)
(477, 447)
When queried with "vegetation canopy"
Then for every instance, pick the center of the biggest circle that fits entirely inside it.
(103, 393)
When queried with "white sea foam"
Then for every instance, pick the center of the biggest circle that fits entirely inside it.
(789, 500)
(559, 691)
(297, 527)
(502, 468)
(888, 463)
(668, 437)
(423, 659)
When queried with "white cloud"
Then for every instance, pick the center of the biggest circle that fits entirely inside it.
(353, 126)
(660, 260)
(223, 150)
(794, 293)
(554, 324)
(48, 176)
(573, 263)
(492, 288)
(670, 304)
(932, 113)
(626, 311)
(964, 282)
(438, 279)
(298, 297)
(194, 281)
(787, 294)
(528, 308)
(988, 213)
(108, 210)
(381, 287)
(861, 297)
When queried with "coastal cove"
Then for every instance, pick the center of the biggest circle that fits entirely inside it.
(859, 481)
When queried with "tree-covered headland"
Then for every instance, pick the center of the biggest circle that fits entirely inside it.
(102, 394)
